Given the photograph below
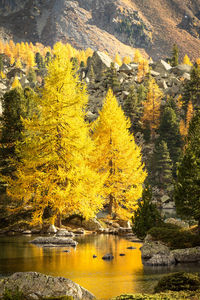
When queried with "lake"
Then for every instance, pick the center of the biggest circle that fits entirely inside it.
(105, 279)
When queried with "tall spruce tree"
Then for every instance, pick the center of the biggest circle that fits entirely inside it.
(133, 108)
(16, 104)
(192, 88)
(187, 188)
(111, 78)
(175, 56)
(163, 166)
(169, 132)
(146, 215)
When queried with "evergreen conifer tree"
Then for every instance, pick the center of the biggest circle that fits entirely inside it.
(175, 56)
(187, 188)
(111, 78)
(163, 166)
(169, 132)
(133, 108)
(146, 215)
(192, 88)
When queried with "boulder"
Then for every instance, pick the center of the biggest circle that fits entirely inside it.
(108, 257)
(35, 285)
(187, 255)
(151, 248)
(100, 62)
(177, 222)
(79, 231)
(65, 233)
(181, 69)
(169, 205)
(161, 260)
(54, 240)
(161, 66)
(92, 224)
(52, 229)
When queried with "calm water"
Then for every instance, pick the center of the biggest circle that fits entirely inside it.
(105, 279)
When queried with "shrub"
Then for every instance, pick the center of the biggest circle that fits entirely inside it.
(179, 281)
(174, 236)
(161, 296)
(146, 216)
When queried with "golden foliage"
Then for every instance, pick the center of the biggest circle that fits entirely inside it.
(54, 170)
(143, 69)
(16, 83)
(118, 156)
(186, 60)
(151, 113)
(118, 59)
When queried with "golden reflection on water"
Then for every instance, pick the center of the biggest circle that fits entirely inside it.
(104, 279)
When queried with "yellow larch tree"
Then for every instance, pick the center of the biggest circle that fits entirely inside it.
(183, 129)
(118, 156)
(118, 59)
(186, 60)
(18, 63)
(54, 170)
(151, 112)
(16, 83)
(137, 56)
(12, 60)
(126, 60)
(190, 113)
(143, 69)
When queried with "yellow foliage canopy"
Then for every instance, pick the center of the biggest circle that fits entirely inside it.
(118, 156)
(54, 170)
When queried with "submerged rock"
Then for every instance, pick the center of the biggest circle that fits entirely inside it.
(108, 257)
(35, 285)
(54, 240)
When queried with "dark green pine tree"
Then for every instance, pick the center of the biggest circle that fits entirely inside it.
(175, 56)
(133, 108)
(192, 88)
(47, 58)
(142, 92)
(163, 166)
(39, 61)
(187, 188)
(1, 63)
(169, 132)
(111, 78)
(146, 215)
(16, 104)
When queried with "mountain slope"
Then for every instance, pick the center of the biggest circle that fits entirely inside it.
(111, 25)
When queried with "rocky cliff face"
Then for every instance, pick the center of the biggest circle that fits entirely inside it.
(111, 25)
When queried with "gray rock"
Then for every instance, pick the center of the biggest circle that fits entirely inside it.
(151, 248)
(165, 198)
(36, 286)
(154, 73)
(108, 257)
(161, 66)
(27, 232)
(187, 255)
(92, 224)
(65, 233)
(181, 69)
(125, 67)
(177, 222)
(186, 76)
(79, 231)
(100, 62)
(161, 260)
(52, 229)
(54, 240)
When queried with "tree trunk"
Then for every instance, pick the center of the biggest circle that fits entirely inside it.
(199, 226)
(58, 220)
(110, 205)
